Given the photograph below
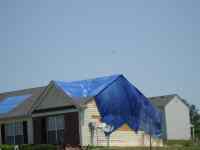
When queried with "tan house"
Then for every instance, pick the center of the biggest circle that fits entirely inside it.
(48, 115)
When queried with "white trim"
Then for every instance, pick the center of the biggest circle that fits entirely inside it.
(30, 131)
(54, 112)
(80, 126)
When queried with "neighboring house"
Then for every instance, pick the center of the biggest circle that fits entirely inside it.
(48, 115)
(176, 120)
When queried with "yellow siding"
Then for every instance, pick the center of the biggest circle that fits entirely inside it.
(124, 136)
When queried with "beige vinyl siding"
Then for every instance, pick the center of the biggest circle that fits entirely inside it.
(124, 136)
(177, 120)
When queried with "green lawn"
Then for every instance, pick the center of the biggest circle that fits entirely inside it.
(169, 145)
(147, 148)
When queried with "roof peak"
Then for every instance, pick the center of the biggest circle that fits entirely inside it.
(163, 96)
(32, 88)
(92, 78)
(88, 87)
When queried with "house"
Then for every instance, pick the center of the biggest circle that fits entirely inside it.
(176, 120)
(72, 113)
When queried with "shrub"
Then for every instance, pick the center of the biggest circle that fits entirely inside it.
(6, 147)
(38, 147)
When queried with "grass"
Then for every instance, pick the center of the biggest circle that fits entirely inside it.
(147, 148)
(169, 145)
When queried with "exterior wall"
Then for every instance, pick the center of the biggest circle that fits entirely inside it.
(29, 127)
(177, 120)
(122, 137)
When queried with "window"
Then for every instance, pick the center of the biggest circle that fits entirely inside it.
(14, 133)
(55, 129)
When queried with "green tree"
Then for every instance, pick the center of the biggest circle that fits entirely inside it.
(195, 120)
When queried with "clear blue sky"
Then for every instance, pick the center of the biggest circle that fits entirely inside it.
(155, 44)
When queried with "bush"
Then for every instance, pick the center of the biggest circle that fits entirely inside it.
(38, 147)
(6, 147)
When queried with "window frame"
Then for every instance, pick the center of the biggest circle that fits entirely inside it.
(12, 130)
(54, 128)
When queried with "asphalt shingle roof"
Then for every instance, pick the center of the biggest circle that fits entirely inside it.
(161, 101)
(24, 108)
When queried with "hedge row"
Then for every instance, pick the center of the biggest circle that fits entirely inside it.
(29, 147)
(6, 147)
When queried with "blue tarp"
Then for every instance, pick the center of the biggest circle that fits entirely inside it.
(118, 101)
(86, 88)
(9, 103)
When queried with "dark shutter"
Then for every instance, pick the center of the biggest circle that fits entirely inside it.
(36, 130)
(25, 132)
(3, 133)
(44, 131)
(71, 131)
(39, 130)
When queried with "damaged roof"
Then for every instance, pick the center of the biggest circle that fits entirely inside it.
(113, 95)
(23, 108)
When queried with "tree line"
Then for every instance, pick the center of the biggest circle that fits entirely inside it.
(195, 121)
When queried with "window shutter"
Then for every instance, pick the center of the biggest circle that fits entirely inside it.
(39, 128)
(44, 131)
(37, 131)
(71, 131)
(25, 133)
(3, 133)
